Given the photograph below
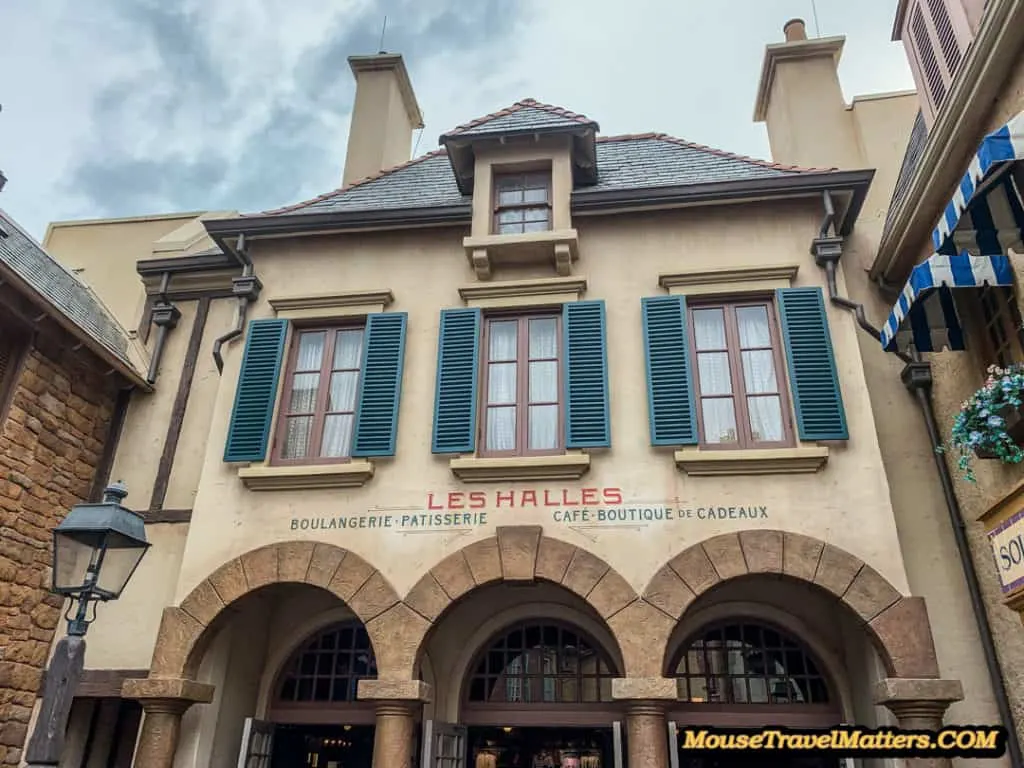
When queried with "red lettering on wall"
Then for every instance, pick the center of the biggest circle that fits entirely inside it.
(550, 501)
(590, 497)
(477, 500)
(455, 500)
(612, 495)
(567, 500)
(431, 504)
(508, 497)
(528, 498)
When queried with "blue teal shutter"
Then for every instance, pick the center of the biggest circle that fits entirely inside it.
(458, 359)
(380, 388)
(249, 430)
(671, 401)
(812, 365)
(587, 423)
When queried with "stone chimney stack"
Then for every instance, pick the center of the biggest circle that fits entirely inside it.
(384, 116)
(801, 102)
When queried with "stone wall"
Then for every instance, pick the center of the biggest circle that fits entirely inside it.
(51, 443)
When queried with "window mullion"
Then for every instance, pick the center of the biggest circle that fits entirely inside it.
(735, 355)
(522, 386)
(322, 394)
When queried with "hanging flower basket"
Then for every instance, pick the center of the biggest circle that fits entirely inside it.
(990, 424)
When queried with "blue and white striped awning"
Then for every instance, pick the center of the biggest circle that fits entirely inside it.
(925, 316)
(986, 214)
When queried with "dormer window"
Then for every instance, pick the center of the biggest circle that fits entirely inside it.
(522, 202)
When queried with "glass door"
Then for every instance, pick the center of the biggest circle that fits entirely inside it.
(444, 745)
(257, 744)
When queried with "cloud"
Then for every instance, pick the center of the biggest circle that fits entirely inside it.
(143, 106)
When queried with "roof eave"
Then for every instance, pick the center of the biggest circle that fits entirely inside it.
(772, 187)
(122, 367)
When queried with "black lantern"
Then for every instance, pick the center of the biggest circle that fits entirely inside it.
(96, 549)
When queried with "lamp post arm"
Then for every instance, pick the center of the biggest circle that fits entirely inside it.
(62, 678)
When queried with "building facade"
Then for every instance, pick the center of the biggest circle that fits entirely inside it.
(545, 442)
(66, 370)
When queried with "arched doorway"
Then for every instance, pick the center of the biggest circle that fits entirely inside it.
(749, 673)
(539, 693)
(318, 718)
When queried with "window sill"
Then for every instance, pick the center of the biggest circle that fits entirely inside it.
(767, 461)
(351, 474)
(561, 246)
(569, 466)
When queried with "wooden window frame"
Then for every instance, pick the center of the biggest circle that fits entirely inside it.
(1005, 316)
(323, 392)
(498, 208)
(522, 383)
(745, 440)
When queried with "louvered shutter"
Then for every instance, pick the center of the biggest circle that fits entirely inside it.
(249, 430)
(380, 386)
(455, 398)
(671, 401)
(812, 366)
(587, 422)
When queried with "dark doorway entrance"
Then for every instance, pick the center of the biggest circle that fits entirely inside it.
(539, 747)
(322, 746)
(764, 760)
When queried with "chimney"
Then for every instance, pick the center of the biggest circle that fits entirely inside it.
(801, 102)
(384, 116)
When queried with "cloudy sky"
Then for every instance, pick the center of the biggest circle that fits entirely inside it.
(127, 107)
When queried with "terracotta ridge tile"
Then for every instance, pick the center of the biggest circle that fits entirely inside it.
(353, 185)
(704, 148)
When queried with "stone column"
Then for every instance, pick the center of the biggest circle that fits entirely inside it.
(646, 699)
(164, 701)
(919, 705)
(398, 703)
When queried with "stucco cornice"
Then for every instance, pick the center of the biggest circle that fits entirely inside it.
(953, 137)
(778, 52)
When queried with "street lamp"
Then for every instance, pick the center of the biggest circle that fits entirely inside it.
(96, 549)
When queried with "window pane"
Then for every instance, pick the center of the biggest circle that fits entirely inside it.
(759, 371)
(753, 325)
(343, 391)
(296, 440)
(311, 351)
(510, 197)
(509, 181)
(543, 338)
(719, 420)
(503, 338)
(544, 382)
(714, 373)
(509, 229)
(501, 429)
(501, 383)
(535, 226)
(304, 387)
(348, 349)
(337, 439)
(543, 427)
(511, 216)
(709, 328)
(536, 195)
(536, 214)
(765, 418)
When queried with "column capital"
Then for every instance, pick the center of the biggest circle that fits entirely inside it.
(918, 703)
(154, 693)
(663, 689)
(394, 691)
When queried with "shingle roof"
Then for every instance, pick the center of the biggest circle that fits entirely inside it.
(61, 288)
(635, 161)
(527, 114)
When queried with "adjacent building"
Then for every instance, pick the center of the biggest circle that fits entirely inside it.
(67, 371)
(549, 442)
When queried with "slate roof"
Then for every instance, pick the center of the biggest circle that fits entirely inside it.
(628, 162)
(911, 159)
(62, 289)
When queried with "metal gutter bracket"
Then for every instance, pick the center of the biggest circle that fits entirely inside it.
(165, 317)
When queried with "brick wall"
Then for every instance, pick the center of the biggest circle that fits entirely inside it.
(51, 444)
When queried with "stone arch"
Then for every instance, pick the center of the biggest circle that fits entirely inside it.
(185, 630)
(514, 554)
(897, 625)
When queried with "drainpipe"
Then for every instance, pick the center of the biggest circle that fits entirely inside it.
(917, 378)
(246, 288)
(165, 317)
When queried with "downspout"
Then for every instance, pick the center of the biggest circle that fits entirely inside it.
(165, 317)
(246, 288)
(917, 377)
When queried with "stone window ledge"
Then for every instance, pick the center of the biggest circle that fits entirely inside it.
(569, 466)
(524, 293)
(560, 246)
(331, 306)
(768, 461)
(730, 280)
(351, 474)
